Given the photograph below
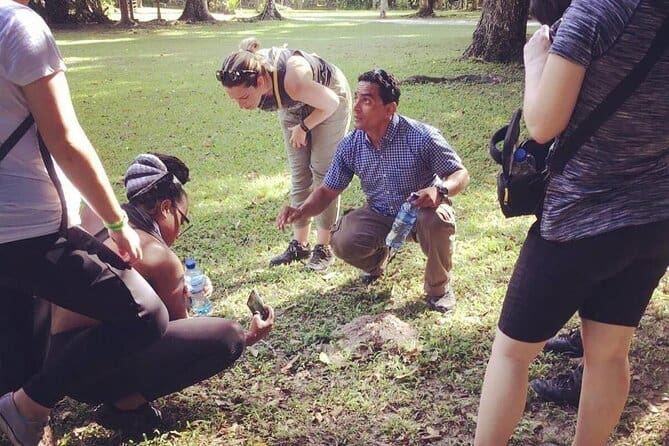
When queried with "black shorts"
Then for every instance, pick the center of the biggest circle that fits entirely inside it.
(608, 278)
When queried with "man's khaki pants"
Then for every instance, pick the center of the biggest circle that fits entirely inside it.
(359, 238)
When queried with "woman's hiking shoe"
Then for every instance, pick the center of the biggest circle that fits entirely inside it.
(321, 259)
(293, 253)
(569, 345)
(20, 430)
(143, 419)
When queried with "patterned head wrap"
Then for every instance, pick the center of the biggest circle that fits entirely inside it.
(144, 172)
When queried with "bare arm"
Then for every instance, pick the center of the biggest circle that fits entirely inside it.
(162, 269)
(315, 203)
(552, 86)
(455, 183)
(300, 85)
(49, 101)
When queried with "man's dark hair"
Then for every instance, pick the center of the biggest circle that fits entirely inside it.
(388, 86)
(548, 12)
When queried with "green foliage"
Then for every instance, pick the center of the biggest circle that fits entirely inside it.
(155, 90)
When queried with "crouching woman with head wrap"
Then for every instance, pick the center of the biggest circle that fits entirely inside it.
(191, 349)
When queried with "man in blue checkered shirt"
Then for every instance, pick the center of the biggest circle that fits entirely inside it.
(393, 156)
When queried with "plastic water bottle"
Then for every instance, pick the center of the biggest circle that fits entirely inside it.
(200, 304)
(523, 163)
(404, 222)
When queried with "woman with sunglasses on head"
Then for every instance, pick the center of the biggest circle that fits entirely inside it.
(314, 103)
(192, 349)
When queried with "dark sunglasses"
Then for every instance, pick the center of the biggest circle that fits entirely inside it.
(184, 223)
(234, 76)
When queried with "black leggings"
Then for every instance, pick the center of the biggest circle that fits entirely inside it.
(81, 274)
(190, 351)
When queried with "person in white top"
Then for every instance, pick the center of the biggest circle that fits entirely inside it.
(42, 251)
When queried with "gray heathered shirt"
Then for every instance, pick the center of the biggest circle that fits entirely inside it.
(620, 176)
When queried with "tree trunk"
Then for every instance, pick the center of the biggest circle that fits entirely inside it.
(196, 11)
(57, 11)
(500, 34)
(125, 14)
(426, 8)
(383, 8)
(270, 12)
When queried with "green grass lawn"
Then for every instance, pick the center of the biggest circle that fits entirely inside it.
(154, 89)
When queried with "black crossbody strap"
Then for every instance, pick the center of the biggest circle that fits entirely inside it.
(51, 169)
(567, 147)
(16, 136)
(46, 158)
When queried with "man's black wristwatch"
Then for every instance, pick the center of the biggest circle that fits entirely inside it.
(442, 191)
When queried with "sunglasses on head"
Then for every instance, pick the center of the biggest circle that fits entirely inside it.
(234, 76)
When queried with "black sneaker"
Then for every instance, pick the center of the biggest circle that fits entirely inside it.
(565, 389)
(143, 419)
(293, 253)
(569, 345)
(321, 259)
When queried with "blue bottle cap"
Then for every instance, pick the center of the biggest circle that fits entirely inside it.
(520, 154)
(190, 264)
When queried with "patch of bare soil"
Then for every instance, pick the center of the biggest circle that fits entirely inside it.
(376, 332)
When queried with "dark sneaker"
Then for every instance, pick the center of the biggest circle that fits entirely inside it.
(143, 419)
(565, 389)
(443, 303)
(293, 253)
(321, 259)
(569, 345)
(368, 279)
(20, 430)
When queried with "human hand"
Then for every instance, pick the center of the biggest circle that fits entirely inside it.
(536, 49)
(427, 198)
(287, 216)
(259, 328)
(298, 137)
(127, 241)
(208, 286)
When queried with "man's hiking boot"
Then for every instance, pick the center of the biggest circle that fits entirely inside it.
(443, 303)
(293, 253)
(321, 259)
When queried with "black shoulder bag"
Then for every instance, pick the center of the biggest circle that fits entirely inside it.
(522, 192)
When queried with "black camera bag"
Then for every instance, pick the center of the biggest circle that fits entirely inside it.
(524, 194)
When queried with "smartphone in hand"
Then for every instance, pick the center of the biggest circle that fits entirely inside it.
(256, 305)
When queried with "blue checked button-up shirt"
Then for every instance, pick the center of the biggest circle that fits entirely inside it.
(411, 154)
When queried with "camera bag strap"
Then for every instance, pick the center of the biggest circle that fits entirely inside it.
(16, 136)
(568, 146)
